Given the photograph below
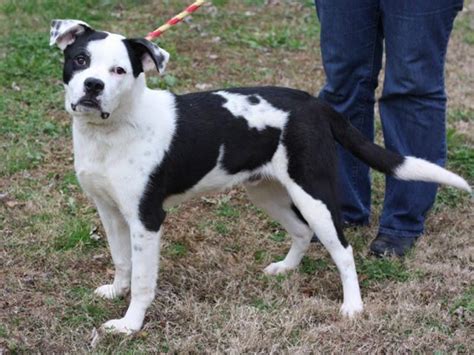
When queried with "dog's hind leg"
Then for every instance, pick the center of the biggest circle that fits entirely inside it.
(274, 199)
(320, 210)
(118, 237)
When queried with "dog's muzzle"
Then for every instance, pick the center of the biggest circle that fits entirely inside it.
(90, 102)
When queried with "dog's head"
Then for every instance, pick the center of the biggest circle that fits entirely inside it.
(101, 69)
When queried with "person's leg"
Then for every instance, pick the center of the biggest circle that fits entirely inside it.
(412, 109)
(351, 47)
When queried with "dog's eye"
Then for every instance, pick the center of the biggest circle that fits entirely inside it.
(119, 70)
(80, 60)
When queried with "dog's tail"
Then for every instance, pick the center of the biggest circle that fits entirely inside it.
(390, 163)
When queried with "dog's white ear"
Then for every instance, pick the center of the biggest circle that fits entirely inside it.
(151, 56)
(64, 32)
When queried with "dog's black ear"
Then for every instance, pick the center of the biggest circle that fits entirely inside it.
(146, 55)
(64, 32)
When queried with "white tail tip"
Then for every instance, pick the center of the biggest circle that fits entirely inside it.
(422, 170)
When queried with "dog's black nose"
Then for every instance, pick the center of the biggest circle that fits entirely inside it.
(93, 86)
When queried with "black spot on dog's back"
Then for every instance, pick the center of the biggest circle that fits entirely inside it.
(254, 100)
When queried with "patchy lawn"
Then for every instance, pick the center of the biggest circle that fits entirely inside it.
(212, 295)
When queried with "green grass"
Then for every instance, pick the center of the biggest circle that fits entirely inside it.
(225, 209)
(221, 227)
(43, 11)
(465, 26)
(460, 154)
(23, 156)
(456, 115)
(167, 82)
(275, 38)
(85, 308)
(278, 236)
(310, 266)
(3, 331)
(262, 305)
(274, 280)
(23, 106)
(69, 182)
(260, 256)
(76, 234)
(376, 270)
(461, 161)
(30, 73)
(465, 301)
(176, 250)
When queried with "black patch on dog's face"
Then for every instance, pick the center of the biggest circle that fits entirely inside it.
(77, 50)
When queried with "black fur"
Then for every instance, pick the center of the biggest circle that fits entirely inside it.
(79, 47)
(204, 125)
(350, 138)
(253, 99)
(137, 48)
(298, 214)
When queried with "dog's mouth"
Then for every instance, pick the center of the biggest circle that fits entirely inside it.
(90, 103)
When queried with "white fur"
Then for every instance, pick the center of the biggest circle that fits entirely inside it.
(115, 157)
(274, 199)
(319, 219)
(64, 32)
(118, 236)
(422, 170)
(149, 64)
(145, 260)
(215, 180)
(106, 54)
(260, 115)
(113, 162)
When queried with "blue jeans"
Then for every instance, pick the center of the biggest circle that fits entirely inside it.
(413, 102)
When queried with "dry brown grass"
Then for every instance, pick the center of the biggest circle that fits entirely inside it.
(212, 295)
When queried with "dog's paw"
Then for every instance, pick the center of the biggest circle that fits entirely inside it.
(109, 291)
(120, 326)
(277, 268)
(350, 310)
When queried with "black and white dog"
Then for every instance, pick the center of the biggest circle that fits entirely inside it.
(138, 151)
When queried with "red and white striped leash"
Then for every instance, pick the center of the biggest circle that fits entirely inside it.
(178, 18)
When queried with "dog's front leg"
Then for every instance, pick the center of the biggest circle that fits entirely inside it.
(118, 236)
(145, 262)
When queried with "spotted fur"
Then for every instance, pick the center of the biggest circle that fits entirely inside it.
(138, 151)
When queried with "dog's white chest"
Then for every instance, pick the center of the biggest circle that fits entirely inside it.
(116, 171)
(94, 170)
(95, 179)
(113, 162)
(114, 165)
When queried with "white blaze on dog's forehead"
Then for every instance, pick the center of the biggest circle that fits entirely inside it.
(258, 112)
(108, 51)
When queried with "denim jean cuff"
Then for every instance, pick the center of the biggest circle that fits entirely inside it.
(399, 233)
